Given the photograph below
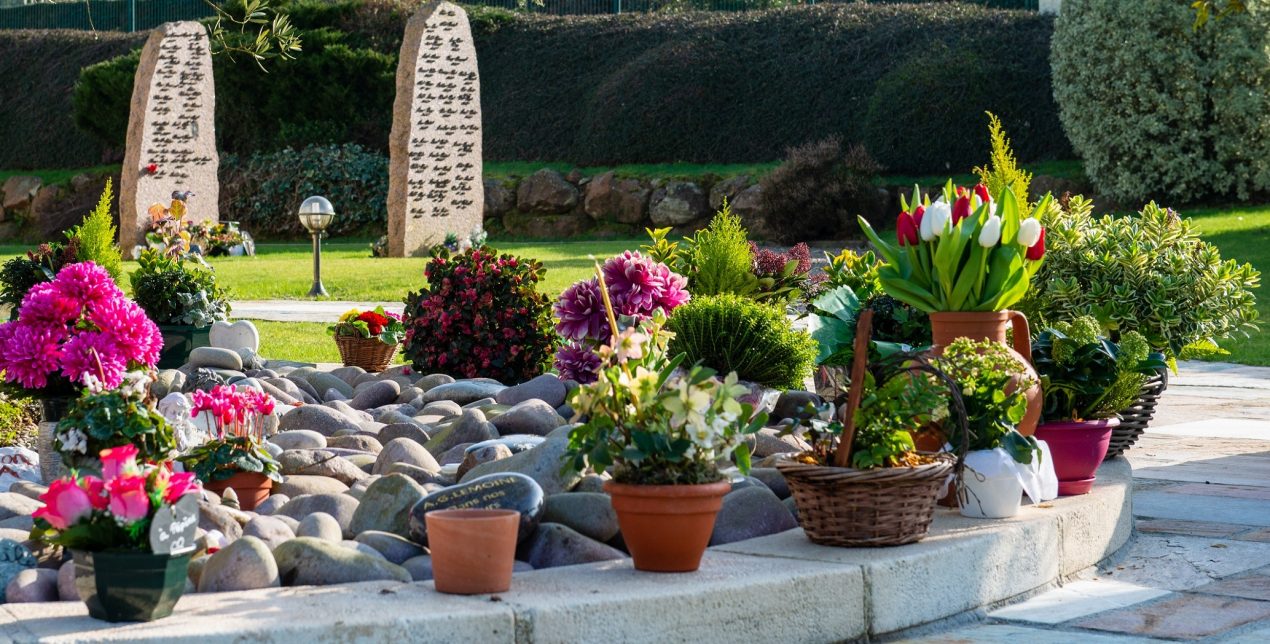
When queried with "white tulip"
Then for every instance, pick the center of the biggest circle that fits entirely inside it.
(1029, 232)
(935, 221)
(991, 233)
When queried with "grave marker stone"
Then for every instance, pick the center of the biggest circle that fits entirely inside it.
(434, 171)
(171, 130)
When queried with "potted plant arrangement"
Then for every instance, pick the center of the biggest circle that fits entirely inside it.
(863, 482)
(368, 339)
(965, 259)
(663, 433)
(1150, 273)
(73, 330)
(999, 460)
(183, 299)
(1086, 379)
(130, 531)
(102, 419)
(236, 457)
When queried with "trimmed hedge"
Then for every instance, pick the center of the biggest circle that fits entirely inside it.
(1165, 110)
(37, 71)
(909, 81)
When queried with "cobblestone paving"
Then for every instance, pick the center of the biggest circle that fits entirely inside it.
(1199, 567)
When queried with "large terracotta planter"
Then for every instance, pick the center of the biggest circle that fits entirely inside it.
(129, 586)
(991, 325)
(179, 341)
(667, 527)
(473, 550)
(252, 488)
(1078, 448)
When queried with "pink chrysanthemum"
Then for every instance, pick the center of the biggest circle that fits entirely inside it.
(45, 305)
(631, 280)
(576, 362)
(673, 287)
(95, 354)
(87, 283)
(29, 353)
(580, 311)
(138, 339)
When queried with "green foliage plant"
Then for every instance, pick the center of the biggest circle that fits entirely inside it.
(18, 417)
(19, 274)
(1085, 376)
(99, 420)
(178, 292)
(992, 393)
(856, 270)
(720, 257)
(731, 333)
(97, 234)
(1170, 112)
(1150, 272)
(652, 426)
(220, 458)
(1003, 169)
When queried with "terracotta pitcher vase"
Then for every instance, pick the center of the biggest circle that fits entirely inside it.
(991, 325)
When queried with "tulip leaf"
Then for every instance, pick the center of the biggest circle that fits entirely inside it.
(886, 250)
(1008, 208)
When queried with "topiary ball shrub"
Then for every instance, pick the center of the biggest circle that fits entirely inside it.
(481, 316)
(1157, 108)
(732, 333)
(817, 191)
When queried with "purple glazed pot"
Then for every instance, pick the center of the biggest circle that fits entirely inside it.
(1078, 448)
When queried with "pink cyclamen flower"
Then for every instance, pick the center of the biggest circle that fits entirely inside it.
(580, 311)
(180, 484)
(119, 461)
(65, 503)
(93, 354)
(87, 283)
(129, 501)
(29, 354)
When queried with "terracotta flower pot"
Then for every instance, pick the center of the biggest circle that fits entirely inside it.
(1078, 448)
(990, 325)
(473, 550)
(252, 488)
(129, 586)
(667, 527)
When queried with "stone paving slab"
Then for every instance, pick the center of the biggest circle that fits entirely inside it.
(1014, 634)
(1181, 616)
(1078, 599)
(1164, 505)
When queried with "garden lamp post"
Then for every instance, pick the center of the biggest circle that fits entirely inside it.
(316, 214)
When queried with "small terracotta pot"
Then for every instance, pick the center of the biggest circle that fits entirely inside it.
(667, 527)
(473, 550)
(252, 488)
(990, 325)
(1078, 448)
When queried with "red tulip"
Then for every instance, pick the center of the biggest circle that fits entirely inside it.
(1037, 250)
(918, 213)
(982, 192)
(906, 229)
(960, 209)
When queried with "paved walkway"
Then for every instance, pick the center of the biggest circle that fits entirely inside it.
(1199, 568)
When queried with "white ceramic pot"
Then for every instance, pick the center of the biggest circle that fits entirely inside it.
(988, 494)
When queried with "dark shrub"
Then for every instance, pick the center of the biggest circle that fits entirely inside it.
(816, 192)
(733, 333)
(481, 316)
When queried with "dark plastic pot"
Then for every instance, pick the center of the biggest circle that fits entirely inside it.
(179, 341)
(1078, 448)
(130, 586)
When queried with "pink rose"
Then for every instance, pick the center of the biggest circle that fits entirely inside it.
(129, 501)
(65, 503)
(118, 461)
(180, 484)
(96, 489)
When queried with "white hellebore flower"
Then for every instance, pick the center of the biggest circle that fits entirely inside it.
(1029, 232)
(935, 221)
(991, 233)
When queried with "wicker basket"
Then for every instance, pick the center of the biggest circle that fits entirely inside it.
(887, 506)
(1134, 420)
(368, 353)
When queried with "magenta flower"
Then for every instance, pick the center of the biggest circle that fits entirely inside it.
(45, 305)
(631, 280)
(576, 362)
(87, 283)
(29, 353)
(93, 354)
(137, 338)
(674, 287)
(580, 311)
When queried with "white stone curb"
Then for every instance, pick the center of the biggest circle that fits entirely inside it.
(776, 588)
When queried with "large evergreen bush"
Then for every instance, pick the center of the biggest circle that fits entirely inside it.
(733, 333)
(1159, 109)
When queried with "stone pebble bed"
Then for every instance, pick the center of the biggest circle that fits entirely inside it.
(359, 451)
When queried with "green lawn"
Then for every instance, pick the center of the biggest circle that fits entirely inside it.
(1243, 233)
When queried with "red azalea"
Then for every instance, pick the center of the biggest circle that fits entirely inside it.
(906, 230)
(1037, 250)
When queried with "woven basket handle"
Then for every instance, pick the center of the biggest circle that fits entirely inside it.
(859, 361)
